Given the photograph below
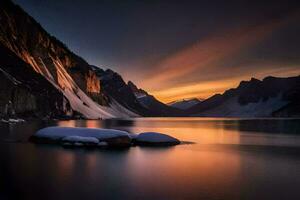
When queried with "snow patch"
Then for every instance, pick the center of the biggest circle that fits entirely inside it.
(140, 95)
(79, 101)
(184, 104)
(232, 108)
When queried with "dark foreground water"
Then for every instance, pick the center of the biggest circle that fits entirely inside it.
(232, 159)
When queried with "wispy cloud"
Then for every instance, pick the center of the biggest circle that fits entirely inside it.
(209, 53)
(205, 89)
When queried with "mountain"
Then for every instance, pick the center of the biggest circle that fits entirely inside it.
(271, 97)
(42, 78)
(41, 63)
(156, 107)
(184, 103)
(114, 87)
(27, 93)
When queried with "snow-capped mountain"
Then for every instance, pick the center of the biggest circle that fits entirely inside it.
(87, 90)
(184, 103)
(271, 97)
(156, 107)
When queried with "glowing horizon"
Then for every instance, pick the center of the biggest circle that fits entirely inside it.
(204, 90)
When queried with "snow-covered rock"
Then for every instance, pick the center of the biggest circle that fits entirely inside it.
(96, 137)
(155, 139)
(72, 135)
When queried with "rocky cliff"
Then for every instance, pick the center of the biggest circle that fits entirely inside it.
(91, 91)
(25, 93)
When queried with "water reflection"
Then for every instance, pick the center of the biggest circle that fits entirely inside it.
(280, 126)
(125, 125)
(218, 166)
(111, 124)
(199, 130)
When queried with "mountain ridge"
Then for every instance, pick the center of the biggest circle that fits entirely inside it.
(270, 97)
(149, 101)
(184, 103)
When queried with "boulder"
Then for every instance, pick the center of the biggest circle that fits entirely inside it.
(82, 137)
(155, 139)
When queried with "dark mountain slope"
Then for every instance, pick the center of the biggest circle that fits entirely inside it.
(113, 85)
(156, 107)
(184, 103)
(270, 97)
(79, 82)
(25, 93)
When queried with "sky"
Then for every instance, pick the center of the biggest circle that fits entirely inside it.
(178, 49)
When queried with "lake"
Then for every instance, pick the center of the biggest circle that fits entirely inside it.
(231, 159)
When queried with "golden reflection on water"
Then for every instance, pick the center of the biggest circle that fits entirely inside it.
(177, 168)
(199, 132)
(216, 167)
(81, 123)
(91, 162)
(67, 123)
(92, 123)
(65, 161)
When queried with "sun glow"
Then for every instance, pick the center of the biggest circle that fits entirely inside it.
(206, 89)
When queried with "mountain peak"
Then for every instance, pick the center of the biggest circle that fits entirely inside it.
(254, 80)
(132, 85)
(137, 91)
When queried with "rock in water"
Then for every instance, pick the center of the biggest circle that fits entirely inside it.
(155, 139)
(84, 136)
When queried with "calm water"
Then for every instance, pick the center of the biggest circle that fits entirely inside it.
(232, 159)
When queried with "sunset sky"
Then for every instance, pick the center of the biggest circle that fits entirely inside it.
(178, 49)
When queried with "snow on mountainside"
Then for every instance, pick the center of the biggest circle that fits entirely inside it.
(184, 104)
(271, 97)
(232, 108)
(156, 107)
(67, 72)
(139, 93)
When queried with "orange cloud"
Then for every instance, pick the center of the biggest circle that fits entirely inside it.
(211, 53)
(206, 89)
(200, 90)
